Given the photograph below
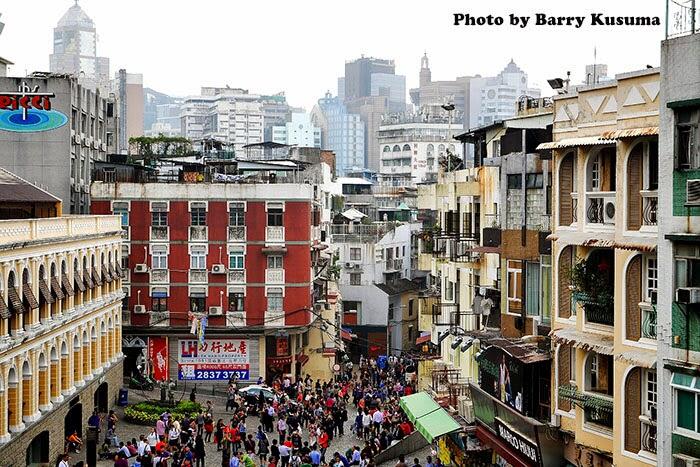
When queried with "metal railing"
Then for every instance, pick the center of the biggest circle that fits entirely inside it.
(649, 435)
(274, 234)
(236, 233)
(393, 265)
(682, 18)
(650, 202)
(648, 321)
(574, 207)
(598, 208)
(600, 315)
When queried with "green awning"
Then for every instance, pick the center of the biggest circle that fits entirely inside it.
(436, 424)
(417, 405)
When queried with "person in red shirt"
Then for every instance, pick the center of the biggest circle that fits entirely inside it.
(160, 446)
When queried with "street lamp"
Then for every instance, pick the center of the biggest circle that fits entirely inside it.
(449, 107)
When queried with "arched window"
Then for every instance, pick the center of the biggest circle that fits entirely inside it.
(386, 149)
(441, 150)
(396, 148)
(406, 147)
(430, 150)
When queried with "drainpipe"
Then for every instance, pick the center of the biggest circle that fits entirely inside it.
(523, 229)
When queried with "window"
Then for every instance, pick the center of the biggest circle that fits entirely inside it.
(275, 217)
(159, 303)
(355, 278)
(235, 301)
(198, 216)
(652, 280)
(595, 173)
(687, 138)
(274, 299)
(236, 259)
(514, 285)
(599, 374)
(159, 219)
(198, 257)
(391, 311)
(546, 279)
(274, 262)
(159, 257)
(650, 394)
(534, 181)
(515, 181)
(198, 303)
(410, 335)
(686, 391)
(236, 214)
(687, 266)
(403, 250)
(449, 290)
(356, 254)
(122, 211)
(410, 307)
(532, 288)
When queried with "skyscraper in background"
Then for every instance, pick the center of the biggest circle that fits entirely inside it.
(371, 88)
(75, 50)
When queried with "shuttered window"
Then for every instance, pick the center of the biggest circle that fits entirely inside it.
(566, 187)
(633, 409)
(633, 290)
(565, 260)
(634, 185)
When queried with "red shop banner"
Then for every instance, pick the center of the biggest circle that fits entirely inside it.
(158, 357)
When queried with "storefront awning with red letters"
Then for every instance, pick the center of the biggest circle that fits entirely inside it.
(501, 448)
(279, 361)
(423, 339)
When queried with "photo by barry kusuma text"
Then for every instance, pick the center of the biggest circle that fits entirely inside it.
(543, 19)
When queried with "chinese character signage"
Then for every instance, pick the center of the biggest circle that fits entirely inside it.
(215, 359)
(28, 110)
(158, 357)
(282, 346)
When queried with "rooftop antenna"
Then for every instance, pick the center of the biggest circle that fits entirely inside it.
(595, 77)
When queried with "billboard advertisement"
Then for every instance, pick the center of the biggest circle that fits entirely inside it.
(158, 357)
(29, 110)
(501, 376)
(213, 360)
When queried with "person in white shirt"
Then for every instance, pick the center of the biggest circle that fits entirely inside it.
(142, 445)
(64, 461)
(152, 438)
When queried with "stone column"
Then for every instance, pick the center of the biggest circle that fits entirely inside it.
(14, 407)
(56, 380)
(65, 376)
(4, 433)
(44, 388)
(77, 367)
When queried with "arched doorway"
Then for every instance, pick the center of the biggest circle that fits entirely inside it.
(73, 421)
(102, 398)
(38, 450)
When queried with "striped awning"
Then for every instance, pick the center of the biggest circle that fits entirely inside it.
(67, 287)
(120, 273)
(14, 301)
(4, 311)
(88, 279)
(574, 142)
(29, 296)
(588, 341)
(106, 275)
(44, 291)
(79, 286)
(56, 288)
(631, 133)
(96, 277)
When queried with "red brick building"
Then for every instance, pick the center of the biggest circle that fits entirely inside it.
(239, 254)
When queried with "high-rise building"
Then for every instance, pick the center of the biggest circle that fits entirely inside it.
(341, 131)
(128, 87)
(300, 131)
(371, 88)
(56, 148)
(162, 109)
(75, 50)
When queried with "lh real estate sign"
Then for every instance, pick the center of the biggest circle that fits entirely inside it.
(213, 360)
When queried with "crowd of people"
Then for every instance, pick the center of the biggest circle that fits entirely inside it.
(291, 424)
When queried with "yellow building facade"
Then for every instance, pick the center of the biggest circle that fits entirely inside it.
(605, 274)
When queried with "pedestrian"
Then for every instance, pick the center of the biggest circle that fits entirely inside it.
(416, 462)
(64, 460)
(219, 434)
(284, 455)
(263, 447)
(199, 451)
(402, 461)
(120, 460)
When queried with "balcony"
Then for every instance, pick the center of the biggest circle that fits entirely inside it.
(159, 319)
(235, 319)
(198, 276)
(198, 233)
(392, 265)
(159, 276)
(274, 234)
(648, 312)
(650, 202)
(236, 233)
(649, 434)
(592, 286)
(274, 318)
(236, 276)
(274, 276)
(600, 207)
(597, 409)
(159, 233)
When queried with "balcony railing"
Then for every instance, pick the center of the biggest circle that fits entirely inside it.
(274, 234)
(236, 276)
(198, 233)
(236, 233)
(274, 276)
(198, 276)
(160, 276)
(159, 318)
(648, 434)
(598, 409)
(595, 312)
(393, 265)
(600, 207)
(274, 318)
(648, 320)
(235, 319)
(574, 207)
(681, 18)
(649, 207)
(159, 233)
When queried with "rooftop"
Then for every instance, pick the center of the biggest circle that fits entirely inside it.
(16, 189)
(75, 17)
(398, 287)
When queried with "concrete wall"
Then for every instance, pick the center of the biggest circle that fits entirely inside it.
(411, 443)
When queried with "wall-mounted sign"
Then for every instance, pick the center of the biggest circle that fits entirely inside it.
(28, 110)
(526, 448)
(215, 359)
(158, 357)
(501, 376)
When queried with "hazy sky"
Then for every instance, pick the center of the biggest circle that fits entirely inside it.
(300, 46)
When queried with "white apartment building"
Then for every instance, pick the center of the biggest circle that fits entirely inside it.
(298, 132)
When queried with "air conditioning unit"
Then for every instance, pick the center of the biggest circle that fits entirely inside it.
(357, 266)
(139, 309)
(141, 268)
(214, 310)
(688, 295)
(348, 265)
(692, 192)
(609, 211)
(683, 460)
(218, 269)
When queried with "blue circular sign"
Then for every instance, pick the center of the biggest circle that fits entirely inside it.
(36, 120)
